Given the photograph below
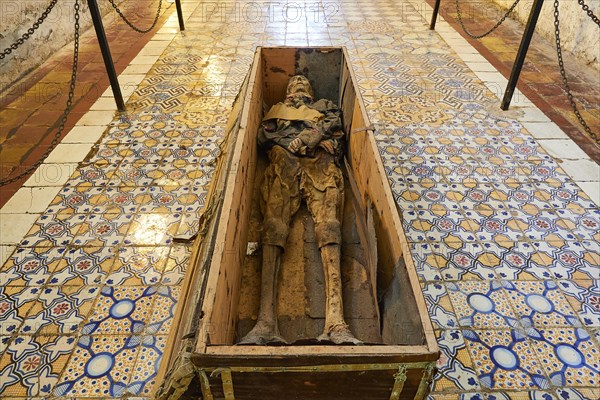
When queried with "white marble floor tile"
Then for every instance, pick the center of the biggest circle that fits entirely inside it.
(69, 153)
(51, 175)
(592, 189)
(5, 252)
(104, 104)
(545, 130)
(101, 118)
(13, 227)
(85, 134)
(565, 149)
(29, 200)
(582, 170)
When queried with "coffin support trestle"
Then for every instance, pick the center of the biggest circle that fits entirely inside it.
(226, 375)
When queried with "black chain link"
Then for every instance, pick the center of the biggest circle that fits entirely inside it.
(563, 74)
(460, 20)
(135, 28)
(589, 12)
(63, 121)
(29, 32)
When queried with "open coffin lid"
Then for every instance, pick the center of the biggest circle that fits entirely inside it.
(217, 294)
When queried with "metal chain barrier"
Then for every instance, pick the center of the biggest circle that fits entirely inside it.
(589, 12)
(460, 20)
(63, 121)
(29, 32)
(135, 28)
(563, 74)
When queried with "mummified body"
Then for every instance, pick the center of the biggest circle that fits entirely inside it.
(302, 139)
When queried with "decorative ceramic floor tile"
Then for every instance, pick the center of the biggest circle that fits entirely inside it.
(482, 304)
(570, 356)
(455, 368)
(31, 365)
(54, 230)
(504, 242)
(143, 381)
(83, 266)
(27, 266)
(122, 310)
(153, 229)
(540, 304)
(138, 266)
(176, 265)
(504, 359)
(100, 366)
(59, 310)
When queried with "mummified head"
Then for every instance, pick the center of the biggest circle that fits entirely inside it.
(299, 85)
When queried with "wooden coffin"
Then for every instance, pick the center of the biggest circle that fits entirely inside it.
(383, 302)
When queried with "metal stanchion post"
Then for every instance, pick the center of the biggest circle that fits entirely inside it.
(179, 15)
(518, 65)
(436, 10)
(108, 62)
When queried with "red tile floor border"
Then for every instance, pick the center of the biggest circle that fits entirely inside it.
(32, 108)
(540, 77)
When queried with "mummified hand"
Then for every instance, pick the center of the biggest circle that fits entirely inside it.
(328, 146)
(295, 145)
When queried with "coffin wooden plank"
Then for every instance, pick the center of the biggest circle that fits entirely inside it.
(217, 292)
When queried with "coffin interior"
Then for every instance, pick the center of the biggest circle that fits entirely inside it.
(231, 297)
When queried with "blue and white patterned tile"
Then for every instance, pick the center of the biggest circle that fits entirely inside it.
(543, 171)
(145, 369)
(564, 195)
(54, 230)
(520, 395)
(577, 394)
(176, 266)
(447, 226)
(572, 260)
(455, 368)
(92, 174)
(15, 303)
(126, 199)
(121, 310)
(587, 222)
(104, 230)
(171, 199)
(83, 266)
(462, 261)
(100, 366)
(505, 360)
(74, 200)
(439, 306)
(569, 356)
(541, 304)
(523, 261)
(4, 342)
(427, 261)
(59, 310)
(584, 297)
(164, 306)
(489, 227)
(138, 266)
(31, 267)
(134, 175)
(31, 365)
(482, 304)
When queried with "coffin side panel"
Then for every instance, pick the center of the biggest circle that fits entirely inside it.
(232, 244)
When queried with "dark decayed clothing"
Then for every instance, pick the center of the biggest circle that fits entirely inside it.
(312, 175)
(283, 131)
